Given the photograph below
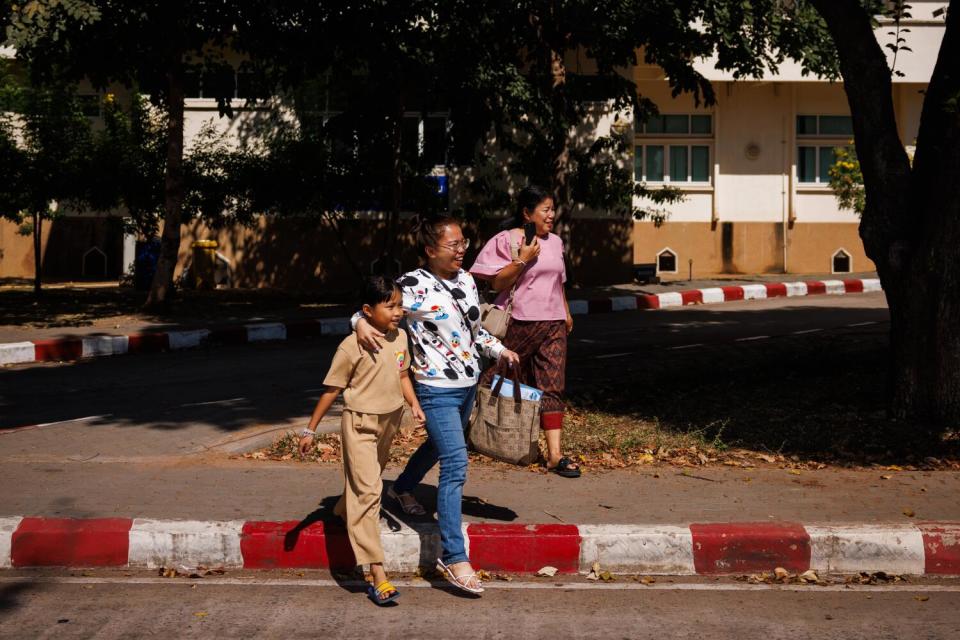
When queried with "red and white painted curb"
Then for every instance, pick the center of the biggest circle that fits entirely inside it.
(695, 549)
(716, 295)
(62, 349)
(103, 345)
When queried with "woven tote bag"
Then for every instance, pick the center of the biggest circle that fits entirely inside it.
(505, 428)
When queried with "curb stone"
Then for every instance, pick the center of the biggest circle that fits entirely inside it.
(728, 548)
(64, 349)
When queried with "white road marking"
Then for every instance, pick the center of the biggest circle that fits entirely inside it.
(202, 404)
(796, 333)
(614, 355)
(498, 584)
(861, 324)
(751, 338)
(685, 346)
(53, 424)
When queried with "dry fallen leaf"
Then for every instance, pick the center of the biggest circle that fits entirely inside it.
(794, 472)
(886, 476)
(921, 598)
(781, 573)
(809, 576)
(594, 572)
(547, 572)
(200, 614)
(606, 576)
(909, 513)
(647, 580)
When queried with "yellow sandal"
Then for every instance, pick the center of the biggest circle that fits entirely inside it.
(376, 593)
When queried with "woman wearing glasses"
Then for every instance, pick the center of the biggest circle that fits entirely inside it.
(443, 318)
(533, 276)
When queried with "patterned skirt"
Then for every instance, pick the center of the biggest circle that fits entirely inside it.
(542, 347)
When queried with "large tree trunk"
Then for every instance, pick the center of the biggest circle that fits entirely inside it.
(162, 287)
(37, 258)
(911, 224)
(926, 332)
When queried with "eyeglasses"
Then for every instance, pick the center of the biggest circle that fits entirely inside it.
(457, 246)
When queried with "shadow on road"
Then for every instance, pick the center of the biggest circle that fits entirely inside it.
(791, 392)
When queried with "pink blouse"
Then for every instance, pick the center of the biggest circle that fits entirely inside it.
(539, 293)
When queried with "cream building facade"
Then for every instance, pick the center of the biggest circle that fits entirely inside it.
(753, 167)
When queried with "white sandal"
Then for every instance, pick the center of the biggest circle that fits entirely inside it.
(461, 582)
(407, 502)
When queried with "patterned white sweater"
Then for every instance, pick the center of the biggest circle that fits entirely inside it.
(446, 337)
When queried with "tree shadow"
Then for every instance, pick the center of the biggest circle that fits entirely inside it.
(821, 395)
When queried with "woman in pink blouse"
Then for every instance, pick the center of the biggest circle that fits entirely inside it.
(540, 320)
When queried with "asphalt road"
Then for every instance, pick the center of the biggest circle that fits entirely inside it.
(270, 605)
(207, 394)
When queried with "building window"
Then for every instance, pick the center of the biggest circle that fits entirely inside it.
(678, 125)
(688, 163)
(824, 126)
(814, 162)
(842, 262)
(818, 136)
(660, 157)
(223, 82)
(424, 139)
(666, 261)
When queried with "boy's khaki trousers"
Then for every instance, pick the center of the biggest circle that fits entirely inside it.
(366, 439)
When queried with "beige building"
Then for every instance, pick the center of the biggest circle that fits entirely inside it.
(753, 167)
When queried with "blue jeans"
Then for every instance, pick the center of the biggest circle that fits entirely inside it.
(448, 413)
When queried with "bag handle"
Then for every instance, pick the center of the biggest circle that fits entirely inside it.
(514, 255)
(503, 376)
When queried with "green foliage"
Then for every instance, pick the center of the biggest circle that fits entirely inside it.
(43, 151)
(127, 163)
(846, 180)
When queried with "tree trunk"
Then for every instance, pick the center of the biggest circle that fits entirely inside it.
(37, 258)
(925, 311)
(911, 224)
(162, 287)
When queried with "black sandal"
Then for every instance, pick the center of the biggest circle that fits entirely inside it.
(566, 468)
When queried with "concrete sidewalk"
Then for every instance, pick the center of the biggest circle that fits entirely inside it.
(19, 345)
(662, 520)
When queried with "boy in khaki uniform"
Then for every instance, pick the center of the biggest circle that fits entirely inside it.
(374, 387)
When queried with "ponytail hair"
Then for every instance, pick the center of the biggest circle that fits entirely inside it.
(527, 200)
(428, 229)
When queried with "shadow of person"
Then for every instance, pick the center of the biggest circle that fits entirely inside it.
(425, 494)
(479, 508)
(335, 551)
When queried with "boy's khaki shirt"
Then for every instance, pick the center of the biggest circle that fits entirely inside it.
(371, 382)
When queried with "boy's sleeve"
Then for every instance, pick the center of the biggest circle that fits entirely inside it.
(341, 369)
